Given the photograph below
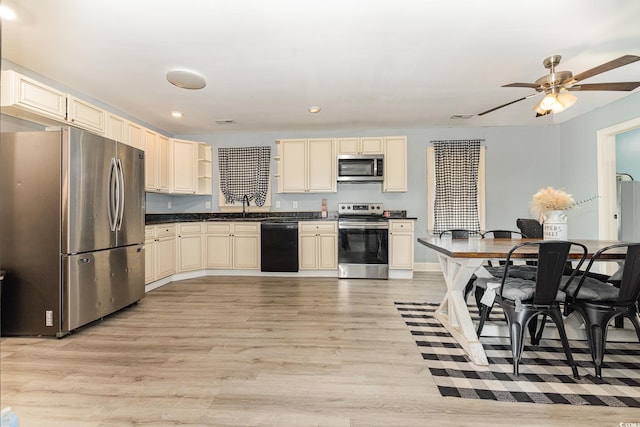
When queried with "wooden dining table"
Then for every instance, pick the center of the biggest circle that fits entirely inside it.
(461, 258)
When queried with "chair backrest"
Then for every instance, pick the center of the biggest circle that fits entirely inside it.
(630, 281)
(460, 234)
(530, 228)
(501, 234)
(552, 258)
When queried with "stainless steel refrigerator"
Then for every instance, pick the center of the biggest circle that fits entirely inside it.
(628, 210)
(71, 229)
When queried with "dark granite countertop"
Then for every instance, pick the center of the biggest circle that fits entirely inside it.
(165, 218)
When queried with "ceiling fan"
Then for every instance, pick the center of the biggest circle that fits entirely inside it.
(557, 85)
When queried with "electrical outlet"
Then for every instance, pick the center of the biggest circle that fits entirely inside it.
(169, 205)
(295, 205)
(278, 204)
(207, 205)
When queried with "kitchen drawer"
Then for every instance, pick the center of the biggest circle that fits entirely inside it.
(219, 227)
(149, 233)
(166, 230)
(190, 228)
(401, 226)
(246, 227)
(318, 227)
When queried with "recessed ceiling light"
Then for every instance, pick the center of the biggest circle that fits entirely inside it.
(177, 114)
(314, 109)
(7, 13)
(186, 79)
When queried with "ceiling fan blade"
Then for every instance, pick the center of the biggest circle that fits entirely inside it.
(508, 103)
(623, 86)
(530, 85)
(543, 114)
(623, 60)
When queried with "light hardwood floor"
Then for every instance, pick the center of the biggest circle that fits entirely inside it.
(249, 351)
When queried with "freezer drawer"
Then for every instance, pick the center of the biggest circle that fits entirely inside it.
(96, 284)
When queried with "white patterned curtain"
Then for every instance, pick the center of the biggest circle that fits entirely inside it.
(456, 195)
(244, 171)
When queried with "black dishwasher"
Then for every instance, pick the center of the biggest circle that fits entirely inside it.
(279, 246)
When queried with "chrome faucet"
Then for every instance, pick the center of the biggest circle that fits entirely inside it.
(244, 198)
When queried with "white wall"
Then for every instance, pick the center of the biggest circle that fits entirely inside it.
(579, 160)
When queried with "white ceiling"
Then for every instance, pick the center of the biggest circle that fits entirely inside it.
(366, 63)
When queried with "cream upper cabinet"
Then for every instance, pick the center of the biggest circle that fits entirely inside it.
(368, 145)
(150, 161)
(401, 244)
(135, 137)
(164, 179)
(190, 241)
(116, 128)
(157, 153)
(183, 166)
(307, 166)
(21, 95)
(395, 164)
(233, 245)
(318, 245)
(84, 115)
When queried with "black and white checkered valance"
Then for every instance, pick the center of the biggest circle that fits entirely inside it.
(244, 171)
(456, 197)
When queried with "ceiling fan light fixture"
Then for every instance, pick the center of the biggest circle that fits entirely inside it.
(564, 100)
(549, 101)
(539, 110)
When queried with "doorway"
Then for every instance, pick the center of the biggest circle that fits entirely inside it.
(606, 157)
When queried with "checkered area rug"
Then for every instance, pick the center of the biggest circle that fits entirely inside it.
(545, 376)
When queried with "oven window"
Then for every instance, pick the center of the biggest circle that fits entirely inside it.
(355, 167)
(359, 246)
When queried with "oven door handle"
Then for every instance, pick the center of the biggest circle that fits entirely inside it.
(351, 225)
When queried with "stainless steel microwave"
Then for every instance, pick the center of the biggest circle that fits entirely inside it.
(360, 167)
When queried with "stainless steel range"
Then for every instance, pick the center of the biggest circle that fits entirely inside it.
(363, 243)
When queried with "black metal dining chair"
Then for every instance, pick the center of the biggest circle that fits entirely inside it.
(523, 271)
(460, 233)
(599, 302)
(530, 228)
(523, 300)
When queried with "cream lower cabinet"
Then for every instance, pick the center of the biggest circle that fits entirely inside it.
(395, 164)
(307, 165)
(160, 251)
(190, 242)
(233, 245)
(401, 244)
(149, 253)
(318, 245)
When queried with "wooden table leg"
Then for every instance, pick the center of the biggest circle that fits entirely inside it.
(453, 312)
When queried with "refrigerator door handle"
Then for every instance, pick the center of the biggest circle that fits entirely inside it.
(111, 200)
(121, 193)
